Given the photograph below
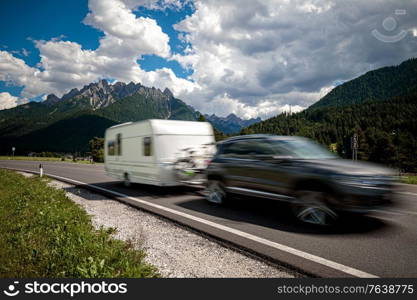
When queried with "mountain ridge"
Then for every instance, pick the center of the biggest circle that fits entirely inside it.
(386, 125)
(102, 103)
(376, 85)
(102, 94)
(231, 123)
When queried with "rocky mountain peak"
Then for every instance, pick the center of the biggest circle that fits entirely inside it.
(103, 82)
(233, 117)
(74, 92)
(102, 93)
(51, 99)
(168, 93)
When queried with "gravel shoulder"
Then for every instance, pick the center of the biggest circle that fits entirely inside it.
(174, 250)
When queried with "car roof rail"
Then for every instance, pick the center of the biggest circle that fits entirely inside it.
(247, 137)
(260, 136)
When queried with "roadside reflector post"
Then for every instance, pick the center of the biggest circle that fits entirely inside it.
(40, 170)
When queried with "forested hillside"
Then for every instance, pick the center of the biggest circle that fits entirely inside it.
(377, 85)
(387, 129)
(379, 106)
(67, 124)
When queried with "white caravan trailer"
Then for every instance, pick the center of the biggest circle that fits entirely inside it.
(145, 151)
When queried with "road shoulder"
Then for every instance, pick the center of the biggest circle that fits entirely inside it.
(174, 250)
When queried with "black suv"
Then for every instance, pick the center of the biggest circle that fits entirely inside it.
(317, 184)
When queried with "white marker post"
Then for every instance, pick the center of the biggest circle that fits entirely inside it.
(40, 170)
(13, 149)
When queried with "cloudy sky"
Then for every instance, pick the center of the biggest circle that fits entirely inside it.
(250, 57)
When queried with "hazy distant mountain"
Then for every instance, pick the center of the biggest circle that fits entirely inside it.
(230, 124)
(67, 123)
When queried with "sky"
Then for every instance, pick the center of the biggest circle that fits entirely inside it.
(254, 58)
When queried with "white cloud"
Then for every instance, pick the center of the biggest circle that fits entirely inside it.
(223, 105)
(289, 51)
(9, 101)
(264, 108)
(125, 34)
(65, 65)
(249, 57)
(15, 71)
(157, 4)
(25, 52)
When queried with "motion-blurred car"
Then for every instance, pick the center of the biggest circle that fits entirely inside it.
(318, 185)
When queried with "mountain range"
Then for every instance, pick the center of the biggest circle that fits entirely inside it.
(230, 124)
(379, 106)
(67, 123)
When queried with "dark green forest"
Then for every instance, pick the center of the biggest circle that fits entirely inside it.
(379, 106)
(376, 85)
(387, 130)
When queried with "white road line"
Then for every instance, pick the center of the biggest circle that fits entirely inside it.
(394, 212)
(290, 250)
(408, 193)
(404, 212)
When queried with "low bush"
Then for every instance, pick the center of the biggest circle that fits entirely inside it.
(410, 179)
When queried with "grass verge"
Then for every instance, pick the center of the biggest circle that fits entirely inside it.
(30, 158)
(409, 179)
(34, 158)
(45, 234)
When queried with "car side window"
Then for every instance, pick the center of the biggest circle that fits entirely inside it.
(247, 148)
(261, 148)
(235, 149)
(280, 148)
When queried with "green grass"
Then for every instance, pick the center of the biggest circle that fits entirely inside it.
(45, 159)
(45, 234)
(409, 179)
(30, 158)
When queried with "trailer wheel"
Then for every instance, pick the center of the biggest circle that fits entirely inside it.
(126, 180)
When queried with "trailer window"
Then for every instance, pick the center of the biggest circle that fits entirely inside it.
(110, 148)
(147, 146)
(119, 144)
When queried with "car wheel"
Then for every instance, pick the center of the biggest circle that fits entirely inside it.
(215, 192)
(310, 207)
(126, 180)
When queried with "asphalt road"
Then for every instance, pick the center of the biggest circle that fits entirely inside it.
(383, 244)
